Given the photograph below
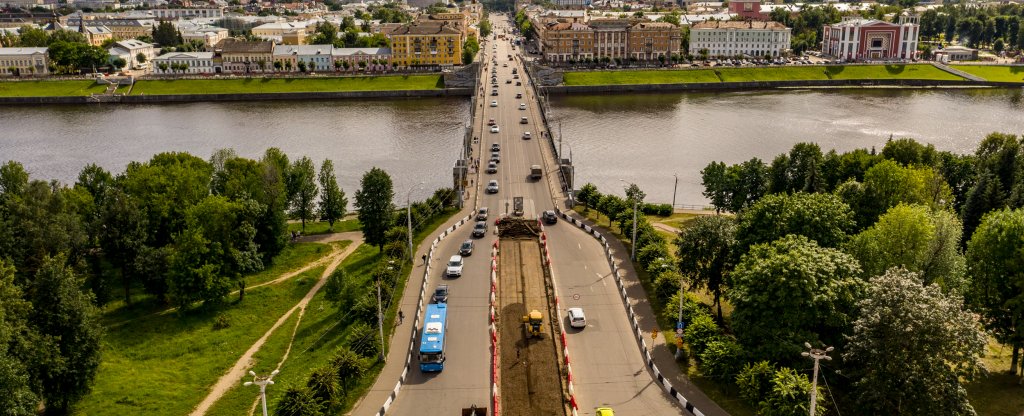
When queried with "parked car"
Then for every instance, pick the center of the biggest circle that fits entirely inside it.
(454, 268)
(490, 122)
(519, 95)
(492, 187)
(480, 229)
(481, 214)
(576, 318)
(519, 84)
(467, 248)
(522, 120)
(550, 217)
(440, 294)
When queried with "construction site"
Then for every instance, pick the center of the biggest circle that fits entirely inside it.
(531, 376)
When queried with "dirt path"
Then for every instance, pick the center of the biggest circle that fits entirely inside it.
(237, 371)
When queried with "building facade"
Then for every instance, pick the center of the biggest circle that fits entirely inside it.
(567, 42)
(245, 56)
(734, 38)
(747, 9)
(24, 61)
(857, 39)
(649, 41)
(368, 57)
(611, 37)
(130, 49)
(608, 39)
(288, 33)
(313, 57)
(427, 43)
(194, 62)
(209, 36)
(172, 14)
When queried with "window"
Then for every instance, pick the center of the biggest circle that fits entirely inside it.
(876, 43)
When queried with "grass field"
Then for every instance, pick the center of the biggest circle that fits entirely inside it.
(793, 73)
(915, 71)
(998, 394)
(322, 227)
(281, 85)
(640, 77)
(49, 88)
(998, 73)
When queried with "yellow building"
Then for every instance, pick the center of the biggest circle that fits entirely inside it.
(427, 43)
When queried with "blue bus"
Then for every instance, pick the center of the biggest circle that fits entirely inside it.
(432, 339)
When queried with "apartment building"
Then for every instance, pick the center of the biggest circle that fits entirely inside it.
(245, 56)
(427, 43)
(734, 38)
(24, 61)
(193, 62)
(632, 39)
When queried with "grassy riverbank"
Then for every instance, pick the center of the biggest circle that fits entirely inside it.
(50, 88)
(786, 73)
(997, 73)
(284, 85)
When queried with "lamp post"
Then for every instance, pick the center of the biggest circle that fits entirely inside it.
(632, 255)
(408, 215)
(263, 382)
(675, 187)
(816, 355)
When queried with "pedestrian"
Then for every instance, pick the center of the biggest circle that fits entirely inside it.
(424, 259)
(401, 317)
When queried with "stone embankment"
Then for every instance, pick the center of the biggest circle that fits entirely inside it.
(186, 98)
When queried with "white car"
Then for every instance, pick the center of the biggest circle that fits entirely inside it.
(576, 318)
(494, 129)
(492, 187)
(526, 136)
(522, 106)
(454, 268)
(494, 103)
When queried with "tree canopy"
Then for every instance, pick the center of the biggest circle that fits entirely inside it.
(376, 209)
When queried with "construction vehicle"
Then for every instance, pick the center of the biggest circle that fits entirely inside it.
(533, 322)
(517, 206)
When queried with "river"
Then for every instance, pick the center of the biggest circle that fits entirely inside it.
(642, 138)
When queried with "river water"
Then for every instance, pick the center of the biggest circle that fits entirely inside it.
(639, 138)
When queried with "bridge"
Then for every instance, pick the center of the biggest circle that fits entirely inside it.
(609, 363)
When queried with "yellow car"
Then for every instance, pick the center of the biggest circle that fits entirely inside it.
(604, 411)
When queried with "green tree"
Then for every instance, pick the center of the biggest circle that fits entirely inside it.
(349, 366)
(122, 235)
(298, 401)
(323, 385)
(821, 217)
(119, 63)
(588, 196)
(376, 209)
(908, 152)
(32, 37)
(790, 395)
(303, 182)
(68, 36)
(140, 58)
(67, 351)
(706, 253)
(939, 345)
(748, 182)
(332, 200)
(789, 292)
(165, 34)
(612, 206)
(326, 34)
(995, 261)
(716, 185)
(16, 395)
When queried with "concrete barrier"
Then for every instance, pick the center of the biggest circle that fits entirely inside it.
(760, 85)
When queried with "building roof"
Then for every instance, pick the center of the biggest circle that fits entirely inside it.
(304, 50)
(851, 22)
(612, 23)
(282, 26)
(654, 25)
(185, 55)
(131, 44)
(427, 27)
(732, 24)
(21, 51)
(241, 46)
(957, 48)
(361, 51)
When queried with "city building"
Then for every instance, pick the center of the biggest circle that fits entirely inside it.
(747, 9)
(858, 39)
(427, 43)
(570, 39)
(170, 14)
(567, 41)
(24, 61)
(314, 57)
(289, 33)
(119, 28)
(245, 56)
(194, 63)
(956, 53)
(209, 35)
(373, 58)
(130, 49)
(650, 40)
(735, 38)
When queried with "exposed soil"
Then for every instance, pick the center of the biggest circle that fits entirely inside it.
(530, 375)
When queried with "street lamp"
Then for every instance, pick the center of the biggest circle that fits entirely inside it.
(675, 188)
(816, 355)
(263, 382)
(408, 215)
(632, 256)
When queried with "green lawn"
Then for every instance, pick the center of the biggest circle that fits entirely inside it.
(640, 77)
(999, 73)
(49, 88)
(280, 85)
(792, 73)
(322, 227)
(998, 394)
(914, 71)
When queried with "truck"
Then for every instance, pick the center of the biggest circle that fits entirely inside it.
(536, 172)
(517, 206)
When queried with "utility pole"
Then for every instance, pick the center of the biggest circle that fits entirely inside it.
(380, 324)
(816, 355)
(559, 142)
(674, 189)
(263, 382)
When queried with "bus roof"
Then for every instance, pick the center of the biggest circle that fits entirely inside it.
(432, 340)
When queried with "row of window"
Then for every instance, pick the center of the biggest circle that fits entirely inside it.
(19, 62)
(189, 62)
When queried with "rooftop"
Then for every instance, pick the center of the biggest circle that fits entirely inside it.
(21, 51)
(427, 27)
(240, 46)
(284, 50)
(716, 24)
(185, 55)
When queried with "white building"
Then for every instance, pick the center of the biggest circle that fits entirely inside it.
(130, 49)
(315, 57)
(24, 61)
(198, 62)
(208, 35)
(166, 14)
(733, 38)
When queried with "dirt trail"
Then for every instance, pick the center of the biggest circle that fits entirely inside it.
(237, 371)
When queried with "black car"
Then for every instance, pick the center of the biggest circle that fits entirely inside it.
(440, 294)
(467, 248)
(550, 217)
(480, 229)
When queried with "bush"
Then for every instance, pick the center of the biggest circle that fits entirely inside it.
(298, 401)
(323, 384)
(661, 210)
(334, 288)
(666, 285)
(790, 395)
(692, 308)
(649, 255)
(365, 309)
(700, 332)
(363, 340)
(221, 322)
(348, 367)
(755, 381)
(722, 358)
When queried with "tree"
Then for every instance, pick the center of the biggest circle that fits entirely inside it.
(326, 34)
(706, 253)
(349, 367)
(790, 395)
(165, 34)
(32, 37)
(298, 401)
(821, 217)
(332, 200)
(716, 185)
(995, 261)
(789, 292)
(323, 385)
(376, 209)
(912, 236)
(589, 196)
(747, 183)
(67, 351)
(16, 395)
(302, 178)
(938, 344)
(140, 58)
(119, 63)
(122, 234)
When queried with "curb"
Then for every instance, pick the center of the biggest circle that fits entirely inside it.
(561, 332)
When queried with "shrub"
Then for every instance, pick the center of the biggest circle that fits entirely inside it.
(700, 332)
(661, 210)
(348, 367)
(221, 322)
(649, 255)
(755, 381)
(362, 339)
(298, 401)
(666, 285)
(692, 308)
(334, 288)
(790, 395)
(323, 384)
(722, 358)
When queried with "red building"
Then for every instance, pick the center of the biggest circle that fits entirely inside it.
(857, 39)
(747, 9)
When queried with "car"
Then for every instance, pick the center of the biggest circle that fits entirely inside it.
(492, 167)
(494, 93)
(550, 217)
(522, 120)
(515, 71)
(492, 187)
(504, 65)
(495, 147)
(519, 95)
(490, 122)
(508, 81)
(494, 103)
(481, 214)
(522, 106)
(494, 129)
(454, 268)
(576, 318)
(515, 76)
(496, 157)
(440, 294)
(526, 136)
(466, 249)
(519, 84)
(480, 229)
